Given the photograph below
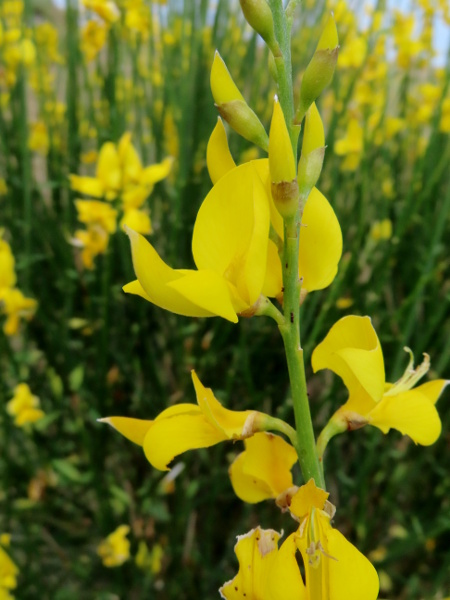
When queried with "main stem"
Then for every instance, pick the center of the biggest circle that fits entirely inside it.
(290, 329)
(306, 443)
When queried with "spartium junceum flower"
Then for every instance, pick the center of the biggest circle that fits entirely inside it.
(333, 568)
(353, 351)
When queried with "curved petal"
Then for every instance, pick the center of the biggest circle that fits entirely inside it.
(157, 172)
(134, 430)
(256, 552)
(351, 576)
(229, 422)
(309, 496)
(262, 168)
(209, 291)
(137, 220)
(231, 231)
(154, 275)
(412, 413)
(90, 186)
(171, 436)
(433, 389)
(352, 350)
(263, 470)
(218, 156)
(320, 243)
(135, 288)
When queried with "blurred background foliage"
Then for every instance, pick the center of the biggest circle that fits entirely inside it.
(76, 76)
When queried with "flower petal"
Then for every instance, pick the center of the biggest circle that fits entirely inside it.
(108, 169)
(207, 290)
(134, 287)
(284, 579)
(256, 552)
(134, 430)
(352, 350)
(351, 576)
(320, 243)
(273, 281)
(229, 422)
(154, 275)
(309, 496)
(171, 436)
(411, 412)
(231, 231)
(218, 156)
(263, 470)
(433, 389)
(157, 172)
(90, 186)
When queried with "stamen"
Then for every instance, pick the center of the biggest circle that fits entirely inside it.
(411, 375)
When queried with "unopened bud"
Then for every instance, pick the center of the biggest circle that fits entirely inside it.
(283, 173)
(232, 106)
(313, 151)
(320, 70)
(259, 17)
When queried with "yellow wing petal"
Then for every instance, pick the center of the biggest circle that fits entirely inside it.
(352, 350)
(171, 436)
(274, 276)
(433, 389)
(320, 243)
(247, 488)
(157, 172)
(90, 186)
(108, 169)
(412, 413)
(154, 275)
(218, 156)
(284, 579)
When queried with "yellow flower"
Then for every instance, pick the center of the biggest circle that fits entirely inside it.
(24, 407)
(93, 241)
(229, 244)
(320, 238)
(334, 568)
(108, 176)
(15, 306)
(94, 212)
(381, 230)
(149, 560)
(352, 350)
(138, 220)
(93, 38)
(185, 427)
(263, 470)
(115, 549)
(351, 145)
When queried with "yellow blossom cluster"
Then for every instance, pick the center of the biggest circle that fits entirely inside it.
(24, 407)
(8, 570)
(122, 181)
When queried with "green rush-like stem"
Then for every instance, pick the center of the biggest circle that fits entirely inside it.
(290, 331)
(284, 69)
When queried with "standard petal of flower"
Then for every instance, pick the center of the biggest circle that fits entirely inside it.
(230, 422)
(412, 413)
(218, 156)
(307, 497)
(232, 229)
(154, 275)
(351, 575)
(263, 470)
(171, 436)
(320, 243)
(134, 430)
(352, 350)
(256, 552)
(207, 290)
(157, 172)
(108, 169)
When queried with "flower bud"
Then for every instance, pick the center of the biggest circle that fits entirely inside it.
(232, 106)
(282, 164)
(313, 151)
(259, 16)
(320, 70)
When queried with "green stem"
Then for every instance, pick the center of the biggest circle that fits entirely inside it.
(290, 331)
